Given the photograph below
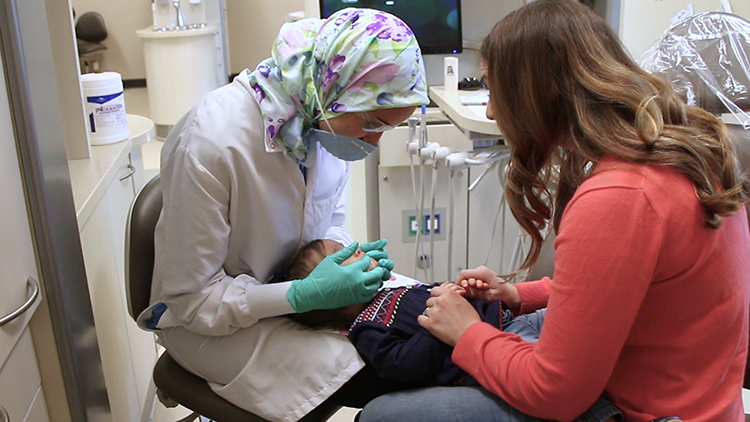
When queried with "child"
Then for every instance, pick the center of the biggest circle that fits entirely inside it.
(385, 331)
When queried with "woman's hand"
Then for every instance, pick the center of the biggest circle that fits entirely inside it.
(448, 315)
(483, 283)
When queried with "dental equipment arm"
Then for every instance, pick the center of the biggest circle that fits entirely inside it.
(423, 128)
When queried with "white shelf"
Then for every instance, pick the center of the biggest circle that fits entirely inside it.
(471, 123)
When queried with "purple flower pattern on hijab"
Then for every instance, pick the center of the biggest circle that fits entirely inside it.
(337, 107)
(356, 60)
(260, 95)
(264, 70)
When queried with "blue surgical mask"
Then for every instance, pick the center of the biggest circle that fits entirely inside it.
(343, 147)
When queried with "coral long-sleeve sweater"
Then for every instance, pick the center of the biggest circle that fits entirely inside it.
(646, 304)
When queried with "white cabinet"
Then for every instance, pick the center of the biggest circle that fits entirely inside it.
(38, 411)
(128, 354)
(396, 204)
(119, 196)
(20, 382)
(181, 67)
(21, 385)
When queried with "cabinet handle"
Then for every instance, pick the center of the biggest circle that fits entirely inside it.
(4, 416)
(130, 173)
(18, 312)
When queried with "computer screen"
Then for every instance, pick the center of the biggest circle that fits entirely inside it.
(436, 23)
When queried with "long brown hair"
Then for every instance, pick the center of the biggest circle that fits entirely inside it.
(558, 74)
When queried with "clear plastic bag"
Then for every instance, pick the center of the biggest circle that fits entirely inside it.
(705, 57)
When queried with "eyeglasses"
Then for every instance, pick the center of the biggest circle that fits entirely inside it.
(370, 123)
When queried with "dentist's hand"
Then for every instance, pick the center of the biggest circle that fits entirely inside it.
(376, 249)
(331, 286)
(388, 265)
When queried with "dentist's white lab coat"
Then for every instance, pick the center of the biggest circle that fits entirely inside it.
(236, 211)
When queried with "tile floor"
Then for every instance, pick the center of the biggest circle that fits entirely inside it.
(136, 102)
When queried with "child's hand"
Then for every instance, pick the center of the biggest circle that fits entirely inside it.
(448, 286)
(483, 283)
(473, 283)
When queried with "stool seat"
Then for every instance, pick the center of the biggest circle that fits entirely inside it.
(85, 47)
(191, 391)
(183, 387)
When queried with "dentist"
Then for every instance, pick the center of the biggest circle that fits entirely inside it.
(256, 170)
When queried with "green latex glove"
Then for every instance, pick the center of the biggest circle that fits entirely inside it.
(388, 265)
(376, 249)
(331, 286)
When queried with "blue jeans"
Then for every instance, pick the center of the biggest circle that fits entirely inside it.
(527, 326)
(463, 404)
(472, 403)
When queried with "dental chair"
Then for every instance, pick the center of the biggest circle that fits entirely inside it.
(174, 384)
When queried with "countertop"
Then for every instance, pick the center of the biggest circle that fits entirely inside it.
(90, 177)
(464, 117)
(734, 120)
(149, 32)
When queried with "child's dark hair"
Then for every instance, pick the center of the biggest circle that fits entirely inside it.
(307, 259)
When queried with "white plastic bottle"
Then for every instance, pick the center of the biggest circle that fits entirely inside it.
(106, 117)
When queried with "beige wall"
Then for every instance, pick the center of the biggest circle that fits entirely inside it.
(252, 26)
(642, 21)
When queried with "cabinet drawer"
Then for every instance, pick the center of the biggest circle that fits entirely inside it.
(19, 379)
(38, 411)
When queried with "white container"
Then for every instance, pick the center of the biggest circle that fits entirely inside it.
(106, 117)
(450, 73)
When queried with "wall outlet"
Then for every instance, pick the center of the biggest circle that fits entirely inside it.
(410, 226)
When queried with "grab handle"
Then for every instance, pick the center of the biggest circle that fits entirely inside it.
(25, 307)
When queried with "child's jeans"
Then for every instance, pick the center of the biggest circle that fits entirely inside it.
(527, 326)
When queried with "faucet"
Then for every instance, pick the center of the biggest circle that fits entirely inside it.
(180, 19)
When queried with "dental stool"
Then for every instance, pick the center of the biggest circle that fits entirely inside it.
(174, 384)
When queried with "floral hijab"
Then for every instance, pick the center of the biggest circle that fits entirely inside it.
(356, 60)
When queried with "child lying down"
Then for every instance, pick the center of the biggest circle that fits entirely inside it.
(385, 330)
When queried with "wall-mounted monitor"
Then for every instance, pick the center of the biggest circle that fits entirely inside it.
(436, 23)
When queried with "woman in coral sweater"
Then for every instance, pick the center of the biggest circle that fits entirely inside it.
(649, 301)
